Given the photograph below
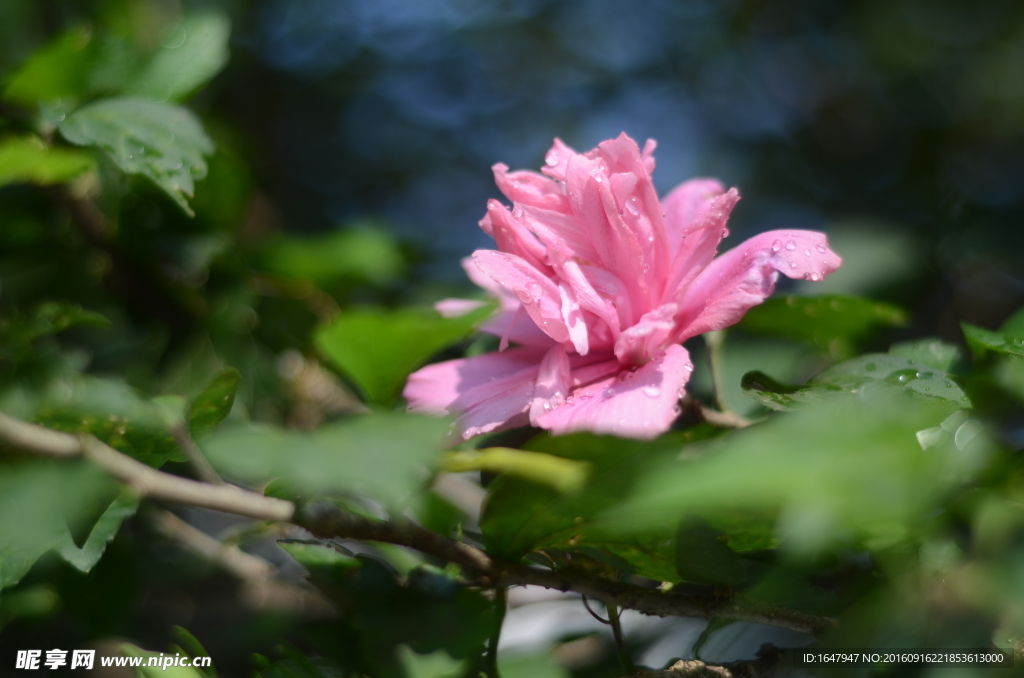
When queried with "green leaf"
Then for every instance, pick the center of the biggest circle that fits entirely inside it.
(103, 532)
(58, 70)
(848, 377)
(385, 456)
(546, 469)
(437, 664)
(108, 409)
(18, 331)
(29, 160)
(162, 142)
(932, 352)
(512, 665)
(215, 402)
(35, 501)
(834, 323)
(522, 516)
(851, 464)
(379, 349)
(362, 254)
(703, 556)
(981, 340)
(191, 54)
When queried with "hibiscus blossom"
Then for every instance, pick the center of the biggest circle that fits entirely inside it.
(599, 284)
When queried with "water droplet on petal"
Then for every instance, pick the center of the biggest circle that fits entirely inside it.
(813, 277)
(652, 391)
(598, 178)
(608, 393)
(790, 245)
(688, 367)
(776, 246)
(792, 264)
(725, 232)
(807, 253)
(820, 248)
(551, 158)
(535, 290)
(633, 206)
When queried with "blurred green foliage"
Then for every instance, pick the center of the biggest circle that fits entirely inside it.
(881, 482)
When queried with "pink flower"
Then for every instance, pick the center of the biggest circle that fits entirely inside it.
(599, 284)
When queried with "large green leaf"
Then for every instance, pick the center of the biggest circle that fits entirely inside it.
(853, 463)
(931, 351)
(379, 349)
(59, 70)
(108, 409)
(702, 555)
(214, 404)
(982, 340)
(105, 529)
(36, 500)
(191, 54)
(28, 160)
(522, 516)
(385, 456)
(833, 323)
(849, 377)
(162, 142)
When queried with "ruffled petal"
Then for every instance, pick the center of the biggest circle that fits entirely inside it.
(530, 188)
(509, 301)
(642, 405)
(453, 308)
(683, 204)
(648, 337)
(513, 237)
(537, 293)
(516, 327)
(699, 245)
(552, 385)
(436, 387)
(556, 160)
(746, 275)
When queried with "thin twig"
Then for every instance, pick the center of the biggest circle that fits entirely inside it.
(714, 340)
(328, 521)
(145, 480)
(233, 559)
(620, 643)
(586, 604)
(200, 464)
(500, 605)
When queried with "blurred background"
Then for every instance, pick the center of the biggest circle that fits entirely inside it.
(354, 141)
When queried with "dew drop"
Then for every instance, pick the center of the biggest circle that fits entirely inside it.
(820, 248)
(598, 178)
(535, 290)
(632, 206)
(792, 264)
(807, 253)
(551, 158)
(608, 393)
(790, 245)
(725, 232)
(624, 375)
(688, 367)
(652, 391)
(813, 277)
(776, 246)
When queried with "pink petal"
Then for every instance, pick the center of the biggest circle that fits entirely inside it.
(699, 245)
(572, 274)
(616, 245)
(640, 406)
(530, 188)
(648, 155)
(436, 387)
(518, 327)
(509, 301)
(538, 294)
(513, 237)
(648, 337)
(684, 203)
(552, 382)
(556, 160)
(574, 321)
(453, 308)
(559, 231)
(745, 276)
